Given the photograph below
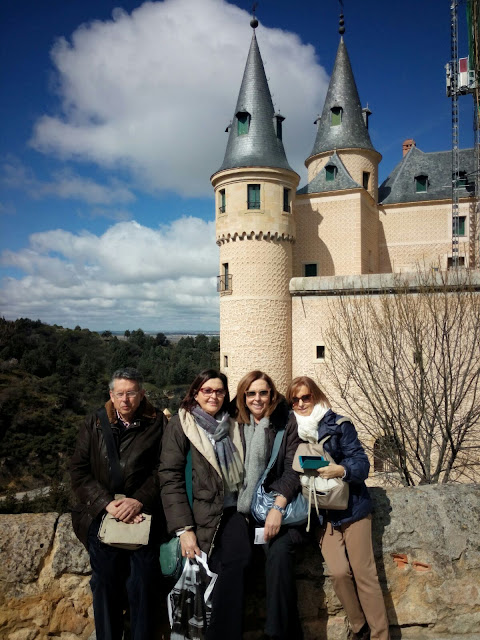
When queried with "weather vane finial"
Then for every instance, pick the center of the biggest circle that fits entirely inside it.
(254, 21)
(341, 22)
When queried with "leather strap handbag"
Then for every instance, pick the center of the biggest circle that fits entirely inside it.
(114, 532)
(296, 511)
(332, 493)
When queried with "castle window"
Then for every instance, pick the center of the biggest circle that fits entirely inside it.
(460, 262)
(253, 201)
(224, 280)
(286, 200)
(366, 180)
(320, 352)
(421, 184)
(458, 225)
(243, 119)
(222, 200)
(330, 172)
(336, 116)
(385, 454)
(225, 362)
(462, 180)
(310, 270)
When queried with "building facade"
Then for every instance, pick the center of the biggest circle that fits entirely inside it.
(286, 252)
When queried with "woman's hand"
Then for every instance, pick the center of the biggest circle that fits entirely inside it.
(126, 510)
(274, 519)
(331, 471)
(188, 542)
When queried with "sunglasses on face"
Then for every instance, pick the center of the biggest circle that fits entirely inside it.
(220, 393)
(306, 398)
(263, 394)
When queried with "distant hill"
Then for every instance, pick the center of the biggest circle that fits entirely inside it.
(51, 378)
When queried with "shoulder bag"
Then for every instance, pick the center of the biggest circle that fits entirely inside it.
(114, 532)
(296, 511)
(325, 493)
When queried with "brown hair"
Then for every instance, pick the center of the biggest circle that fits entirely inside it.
(317, 394)
(243, 412)
(189, 402)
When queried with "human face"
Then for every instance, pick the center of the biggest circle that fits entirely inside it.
(211, 403)
(303, 401)
(126, 397)
(257, 398)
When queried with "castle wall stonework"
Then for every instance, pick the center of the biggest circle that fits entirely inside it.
(427, 549)
(419, 233)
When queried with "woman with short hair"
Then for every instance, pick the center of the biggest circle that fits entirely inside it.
(213, 524)
(345, 537)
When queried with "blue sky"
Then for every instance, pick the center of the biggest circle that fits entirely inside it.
(113, 121)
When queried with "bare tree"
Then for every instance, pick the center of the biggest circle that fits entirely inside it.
(406, 363)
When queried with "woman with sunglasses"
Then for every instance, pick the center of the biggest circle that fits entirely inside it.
(345, 537)
(262, 411)
(213, 524)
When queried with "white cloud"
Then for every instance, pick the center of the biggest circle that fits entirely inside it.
(154, 90)
(65, 184)
(129, 277)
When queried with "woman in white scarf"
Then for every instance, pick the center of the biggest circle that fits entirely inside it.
(345, 537)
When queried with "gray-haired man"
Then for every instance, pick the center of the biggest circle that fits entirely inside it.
(137, 429)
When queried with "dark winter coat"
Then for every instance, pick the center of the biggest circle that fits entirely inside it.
(139, 449)
(182, 434)
(346, 449)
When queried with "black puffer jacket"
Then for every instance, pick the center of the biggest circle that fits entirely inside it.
(139, 449)
(182, 434)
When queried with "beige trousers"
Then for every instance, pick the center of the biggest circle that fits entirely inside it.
(348, 552)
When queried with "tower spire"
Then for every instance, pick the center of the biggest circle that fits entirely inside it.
(255, 137)
(342, 124)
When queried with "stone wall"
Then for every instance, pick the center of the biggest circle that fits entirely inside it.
(427, 548)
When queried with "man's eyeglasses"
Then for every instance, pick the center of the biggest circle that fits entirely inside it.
(130, 394)
(263, 393)
(306, 398)
(220, 393)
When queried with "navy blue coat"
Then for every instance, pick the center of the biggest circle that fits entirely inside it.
(346, 449)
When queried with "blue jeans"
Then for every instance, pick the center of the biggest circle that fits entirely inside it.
(119, 577)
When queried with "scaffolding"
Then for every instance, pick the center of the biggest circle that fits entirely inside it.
(463, 77)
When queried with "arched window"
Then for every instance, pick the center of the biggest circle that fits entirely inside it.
(337, 113)
(330, 172)
(243, 119)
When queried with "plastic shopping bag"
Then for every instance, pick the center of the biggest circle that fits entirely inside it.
(190, 600)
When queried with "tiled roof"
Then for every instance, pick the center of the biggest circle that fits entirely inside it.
(400, 186)
(342, 92)
(260, 147)
(319, 184)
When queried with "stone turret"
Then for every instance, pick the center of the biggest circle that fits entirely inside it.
(254, 190)
(336, 211)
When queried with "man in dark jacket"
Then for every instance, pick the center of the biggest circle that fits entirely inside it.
(137, 429)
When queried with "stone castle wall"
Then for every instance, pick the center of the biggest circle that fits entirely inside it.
(419, 233)
(427, 549)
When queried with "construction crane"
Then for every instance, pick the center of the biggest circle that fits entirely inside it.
(463, 78)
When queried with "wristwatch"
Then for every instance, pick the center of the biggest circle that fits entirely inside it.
(278, 508)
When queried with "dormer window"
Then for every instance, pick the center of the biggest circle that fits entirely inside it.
(337, 113)
(243, 119)
(278, 125)
(421, 184)
(330, 172)
(462, 179)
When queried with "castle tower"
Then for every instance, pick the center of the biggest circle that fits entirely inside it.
(254, 190)
(336, 212)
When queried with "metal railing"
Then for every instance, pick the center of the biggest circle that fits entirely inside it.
(224, 284)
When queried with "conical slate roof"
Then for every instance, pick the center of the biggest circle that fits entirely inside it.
(342, 92)
(261, 146)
